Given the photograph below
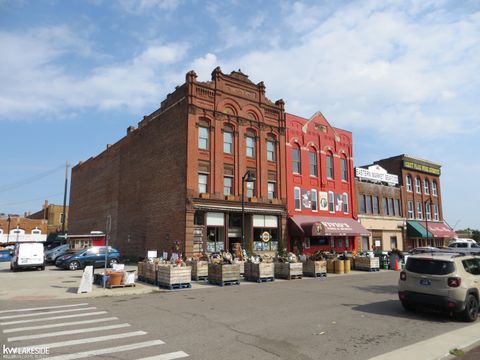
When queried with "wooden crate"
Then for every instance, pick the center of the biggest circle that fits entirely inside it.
(147, 272)
(222, 274)
(199, 270)
(259, 272)
(367, 263)
(289, 270)
(315, 268)
(172, 275)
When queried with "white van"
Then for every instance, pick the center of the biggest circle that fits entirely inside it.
(28, 255)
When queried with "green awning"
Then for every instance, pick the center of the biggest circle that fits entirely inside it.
(417, 230)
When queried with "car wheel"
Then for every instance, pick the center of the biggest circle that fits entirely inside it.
(74, 265)
(471, 308)
(112, 261)
(408, 306)
(42, 267)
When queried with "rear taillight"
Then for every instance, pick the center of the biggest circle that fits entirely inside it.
(403, 276)
(454, 281)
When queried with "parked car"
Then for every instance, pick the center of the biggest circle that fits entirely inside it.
(443, 280)
(461, 244)
(52, 254)
(94, 255)
(27, 255)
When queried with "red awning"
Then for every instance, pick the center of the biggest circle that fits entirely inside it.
(439, 229)
(327, 226)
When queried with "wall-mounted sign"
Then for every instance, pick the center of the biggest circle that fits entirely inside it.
(266, 236)
(323, 198)
(420, 167)
(376, 173)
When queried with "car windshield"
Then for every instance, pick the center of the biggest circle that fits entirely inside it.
(430, 266)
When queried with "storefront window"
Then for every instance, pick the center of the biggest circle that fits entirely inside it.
(365, 243)
(261, 234)
(319, 241)
(215, 239)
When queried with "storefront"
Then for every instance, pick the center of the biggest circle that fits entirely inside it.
(309, 234)
(423, 233)
(385, 234)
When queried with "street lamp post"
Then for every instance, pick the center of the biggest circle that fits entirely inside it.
(248, 177)
(429, 202)
(8, 229)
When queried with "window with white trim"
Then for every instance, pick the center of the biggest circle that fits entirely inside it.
(296, 161)
(434, 188)
(331, 201)
(312, 155)
(426, 187)
(409, 183)
(314, 199)
(271, 190)
(202, 183)
(419, 210)
(250, 189)
(435, 212)
(428, 211)
(203, 137)
(227, 185)
(228, 142)
(250, 144)
(330, 171)
(418, 185)
(343, 162)
(345, 203)
(297, 198)
(411, 214)
(270, 150)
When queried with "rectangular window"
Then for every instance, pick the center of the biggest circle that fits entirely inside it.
(435, 212)
(330, 172)
(385, 207)
(270, 151)
(271, 190)
(418, 185)
(203, 138)
(419, 211)
(409, 183)
(250, 189)
(314, 200)
(344, 169)
(331, 201)
(227, 142)
(390, 207)
(411, 214)
(250, 142)
(397, 208)
(426, 187)
(376, 210)
(434, 188)
(297, 168)
(345, 203)
(365, 243)
(297, 195)
(202, 183)
(393, 242)
(313, 163)
(361, 200)
(227, 185)
(428, 211)
(368, 204)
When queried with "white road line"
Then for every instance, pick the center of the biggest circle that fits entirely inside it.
(115, 349)
(52, 318)
(168, 356)
(67, 332)
(42, 308)
(49, 326)
(91, 340)
(45, 313)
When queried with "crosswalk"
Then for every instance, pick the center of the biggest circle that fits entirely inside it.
(84, 336)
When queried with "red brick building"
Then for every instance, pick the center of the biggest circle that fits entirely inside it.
(175, 182)
(421, 200)
(322, 205)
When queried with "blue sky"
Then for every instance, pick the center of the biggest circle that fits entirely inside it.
(403, 76)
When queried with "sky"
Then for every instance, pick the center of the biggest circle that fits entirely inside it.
(403, 76)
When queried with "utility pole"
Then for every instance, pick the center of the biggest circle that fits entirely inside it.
(64, 217)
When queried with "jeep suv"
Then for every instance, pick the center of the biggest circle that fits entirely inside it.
(442, 280)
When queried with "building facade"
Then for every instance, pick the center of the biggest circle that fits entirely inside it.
(15, 228)
(421, 200)
(175, 183)
(54, 216)
(322, 206)
(380, 208)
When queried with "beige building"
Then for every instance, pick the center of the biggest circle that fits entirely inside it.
(380, 209)
(53, 214)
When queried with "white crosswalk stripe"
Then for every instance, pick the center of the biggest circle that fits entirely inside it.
(49, 326)
(43, 322)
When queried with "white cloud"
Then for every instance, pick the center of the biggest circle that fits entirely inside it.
(142, 6)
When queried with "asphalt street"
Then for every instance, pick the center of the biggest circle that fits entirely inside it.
(344, 317)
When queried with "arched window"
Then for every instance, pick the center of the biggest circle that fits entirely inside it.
(296, 160)
(418, 185)
(229, 110)
(426, 187)
(271, 149)
(312, 156)
(434, 188)
(250, 143)
(228, 139)
(330, 169)
(344, 165)
(408, 181)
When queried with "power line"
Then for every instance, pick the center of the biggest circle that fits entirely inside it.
(30, 179)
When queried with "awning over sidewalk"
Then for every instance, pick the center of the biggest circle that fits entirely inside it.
(435, 229)
(326, 226)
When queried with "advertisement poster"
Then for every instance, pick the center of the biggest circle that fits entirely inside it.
(323, 200)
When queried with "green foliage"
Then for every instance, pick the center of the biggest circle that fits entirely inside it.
(456, 352)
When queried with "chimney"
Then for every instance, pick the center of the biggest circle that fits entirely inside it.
(45, 204)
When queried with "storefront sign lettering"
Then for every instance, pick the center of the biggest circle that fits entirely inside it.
(336, 226)
(376, 173)
(420, 167)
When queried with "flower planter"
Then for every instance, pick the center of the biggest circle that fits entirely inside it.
(261, 272)
(199, 270)
(288, 271)
(315, 268)
(224, 274)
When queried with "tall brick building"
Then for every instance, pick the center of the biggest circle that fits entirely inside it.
(175, 182)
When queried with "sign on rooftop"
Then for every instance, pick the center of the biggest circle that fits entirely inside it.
(376, 173)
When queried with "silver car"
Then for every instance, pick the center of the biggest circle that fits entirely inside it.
(52, 254)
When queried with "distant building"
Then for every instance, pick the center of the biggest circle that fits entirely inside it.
(54, 216)
(421, 200)
(380, 208)
(322, 205)
(175, 182)
(15, 228)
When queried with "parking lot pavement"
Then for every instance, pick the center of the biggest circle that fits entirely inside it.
(86, 332)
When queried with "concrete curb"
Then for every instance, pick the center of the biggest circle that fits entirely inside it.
(437, 347)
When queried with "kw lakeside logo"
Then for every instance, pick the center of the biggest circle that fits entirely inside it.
(28, 352)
